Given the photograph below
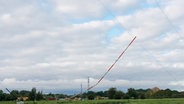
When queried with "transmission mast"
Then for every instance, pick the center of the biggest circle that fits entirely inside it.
(88, 83)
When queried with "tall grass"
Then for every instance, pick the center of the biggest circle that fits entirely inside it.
(145, 101)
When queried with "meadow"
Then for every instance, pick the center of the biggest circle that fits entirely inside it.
(138, 101)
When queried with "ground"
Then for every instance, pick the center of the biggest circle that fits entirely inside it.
(138, 101)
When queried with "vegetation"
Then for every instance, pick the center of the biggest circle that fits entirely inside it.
(111, 93)
(20, 95)
(132, 93)
(130, 101)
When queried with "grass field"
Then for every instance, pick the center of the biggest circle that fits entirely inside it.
(146, 101)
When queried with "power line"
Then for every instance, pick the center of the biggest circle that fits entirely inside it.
(116, 20)
(112, 65)
(175, 29)
(146, 50)
(168, 19)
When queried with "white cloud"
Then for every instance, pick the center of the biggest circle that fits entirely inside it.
(8, 81)
(173, 9)
(178, 85)
(75, 9)
(60, 43)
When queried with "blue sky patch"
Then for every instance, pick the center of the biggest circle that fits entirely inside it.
(108, 17)
(44, 5)
(146, 5)
(114, 32)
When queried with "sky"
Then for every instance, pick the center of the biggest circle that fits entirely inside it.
(55, 45)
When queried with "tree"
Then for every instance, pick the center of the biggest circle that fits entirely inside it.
(14, 94)
(39, 96)
(100, 93)
(111, 93)
(24, 93)
(126, 96)
(8, 97)
(91, 95)
(175, 94)
(118, 95)
(32, 95)
(132, 93)
(142, 93)
(2, 95)
(167, 93)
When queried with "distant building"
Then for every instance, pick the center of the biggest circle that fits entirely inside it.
(23, 98)
(52, 99)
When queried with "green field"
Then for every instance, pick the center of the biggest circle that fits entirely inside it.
(146, 101)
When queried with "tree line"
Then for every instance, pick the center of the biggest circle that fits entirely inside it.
(32, 95)
(111, 93)
(154, 93)
(19, 95)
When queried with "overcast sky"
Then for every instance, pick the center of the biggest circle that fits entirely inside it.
(54, 45)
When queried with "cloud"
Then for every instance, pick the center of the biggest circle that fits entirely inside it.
(178, 83)
(57, 44)
(173, 9)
